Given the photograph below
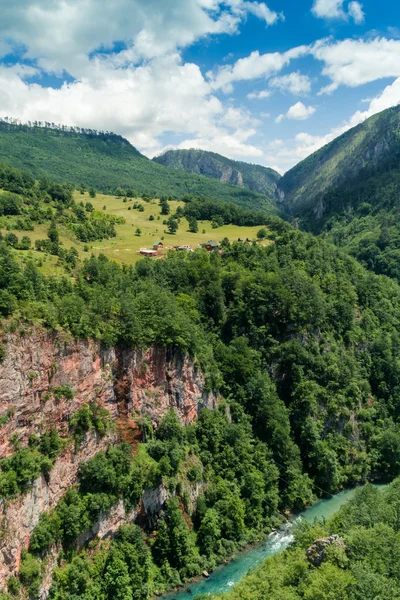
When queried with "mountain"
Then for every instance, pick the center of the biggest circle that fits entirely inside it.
(253, 177)
(359, 166)
(107, 161)
(349, 192)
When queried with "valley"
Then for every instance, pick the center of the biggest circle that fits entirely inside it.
(160, 414)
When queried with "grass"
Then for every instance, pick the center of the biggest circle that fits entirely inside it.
(125, 246)
(107, 162)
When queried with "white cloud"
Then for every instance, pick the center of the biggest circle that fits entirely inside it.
(355, 62)
(60, 34)
(356, 12)
(254, 66)
(262, 11)
(328, 9)
(295, 83)
(237, 118)
(140, 103)
(298, 112)
(226, 145)
(389, 97)
(304, 144)
(142, 91)
(259, 95)
(333, 9)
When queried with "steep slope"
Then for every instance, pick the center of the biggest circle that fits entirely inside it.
(346, 172)
(300, 341)
(349, 192)
(107, 161)
(253, 177)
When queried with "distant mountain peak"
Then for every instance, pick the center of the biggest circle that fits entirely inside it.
(215, 166)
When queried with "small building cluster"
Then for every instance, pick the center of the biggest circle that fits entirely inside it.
(155, 251)
(210, 246)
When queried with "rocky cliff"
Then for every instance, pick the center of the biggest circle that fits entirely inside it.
(38, 365)
(214, 166)
(37, 368)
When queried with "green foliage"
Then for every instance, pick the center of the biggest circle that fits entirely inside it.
(63, 391)
(10, 204)
(262, 233)
(90, 416)
(193, 225)
(25, 465)
(365, 569)
(172, 225)
(30, 575)
(165, 207)
(104, 161)
(206, 209)
(110, 475)
(174, 544)
(123, 573)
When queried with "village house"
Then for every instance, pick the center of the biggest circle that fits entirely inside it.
(240, 239)
(158, 246)
(146, 252)
(248, 239)
(211, 245)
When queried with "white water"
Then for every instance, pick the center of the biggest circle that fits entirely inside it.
(225, 576)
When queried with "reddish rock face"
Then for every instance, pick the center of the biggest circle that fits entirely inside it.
(126, 382)
(123, 381)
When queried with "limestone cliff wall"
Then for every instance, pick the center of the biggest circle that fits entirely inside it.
(123, 381)
(126, 382)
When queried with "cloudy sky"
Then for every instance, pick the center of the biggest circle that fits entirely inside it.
(266, 82)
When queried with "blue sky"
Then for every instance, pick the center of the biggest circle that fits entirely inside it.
(265, 82)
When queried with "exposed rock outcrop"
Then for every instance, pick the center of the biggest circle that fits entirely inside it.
(316, 553)
(214, 166)
(123, 381)
(126, 382)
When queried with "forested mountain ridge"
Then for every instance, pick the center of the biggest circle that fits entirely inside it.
(107, 161)
(333, 180)
(349, 192)
(254, 177)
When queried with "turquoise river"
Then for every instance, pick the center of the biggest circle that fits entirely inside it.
(225, 576)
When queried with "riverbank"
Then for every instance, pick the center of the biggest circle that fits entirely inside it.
(227, 575)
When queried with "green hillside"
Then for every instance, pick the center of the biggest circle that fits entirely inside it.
(107, 161)
(349, 192)
(253, 177)
(115, 226)
(333, 180)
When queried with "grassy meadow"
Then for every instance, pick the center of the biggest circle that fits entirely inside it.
(125, 246)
